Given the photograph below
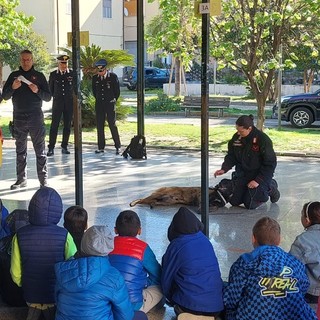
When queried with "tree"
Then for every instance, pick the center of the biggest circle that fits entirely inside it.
(31, 41)
(12, 23)
(175, 31)
(248, 36)
(90, 54)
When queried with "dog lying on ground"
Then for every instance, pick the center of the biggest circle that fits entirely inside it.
(191, 196)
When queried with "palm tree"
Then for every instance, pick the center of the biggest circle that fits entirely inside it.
(90, 54)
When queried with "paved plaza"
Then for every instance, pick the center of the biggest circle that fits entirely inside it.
(110, 183)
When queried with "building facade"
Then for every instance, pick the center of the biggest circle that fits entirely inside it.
(130, 24)
(102, 18)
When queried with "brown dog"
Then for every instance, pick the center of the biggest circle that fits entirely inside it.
(190, 196)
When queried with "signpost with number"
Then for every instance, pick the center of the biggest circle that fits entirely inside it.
(205, 9)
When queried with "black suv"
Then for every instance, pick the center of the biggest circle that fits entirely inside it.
(300, 109)
(154, 78)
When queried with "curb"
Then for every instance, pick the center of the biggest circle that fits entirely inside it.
(278, 153)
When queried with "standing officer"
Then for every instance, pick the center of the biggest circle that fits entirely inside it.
(106, 90)
(28, 88)
(60, 83)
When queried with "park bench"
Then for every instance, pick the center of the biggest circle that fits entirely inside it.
(215, 103)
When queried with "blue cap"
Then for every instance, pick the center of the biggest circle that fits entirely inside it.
(101, 63)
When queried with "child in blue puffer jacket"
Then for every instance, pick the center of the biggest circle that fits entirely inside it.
(88, 287)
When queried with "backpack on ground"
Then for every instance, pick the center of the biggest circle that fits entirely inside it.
(137, 148)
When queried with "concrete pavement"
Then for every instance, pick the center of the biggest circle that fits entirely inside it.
(110, 183)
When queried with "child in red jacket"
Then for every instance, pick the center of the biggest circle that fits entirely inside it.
(137, 263)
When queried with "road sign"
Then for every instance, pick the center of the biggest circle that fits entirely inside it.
(213, 8)
(84, 38)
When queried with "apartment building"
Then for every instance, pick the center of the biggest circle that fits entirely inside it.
(112, 24)
(102, 18)
(130, 24)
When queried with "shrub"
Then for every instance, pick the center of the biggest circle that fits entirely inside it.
(163, 104)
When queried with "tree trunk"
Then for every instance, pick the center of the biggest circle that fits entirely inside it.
(1, 73)
(261, 101)
(177, 81)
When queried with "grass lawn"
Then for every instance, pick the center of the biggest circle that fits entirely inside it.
(183, 136)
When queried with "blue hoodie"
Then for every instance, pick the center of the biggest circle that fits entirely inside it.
(190, 272)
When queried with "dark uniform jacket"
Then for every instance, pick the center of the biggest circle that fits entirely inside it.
(61, 85)
(23, 99)
(252, 156)
(107, 89)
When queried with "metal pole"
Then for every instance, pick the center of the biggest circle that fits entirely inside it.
(140, 67)
(205, 122)
(279, 87)
(76, 102)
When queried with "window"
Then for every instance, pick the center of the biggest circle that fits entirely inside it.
(68, 7)
(107, 8)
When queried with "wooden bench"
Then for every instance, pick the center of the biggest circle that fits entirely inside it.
(194, 102)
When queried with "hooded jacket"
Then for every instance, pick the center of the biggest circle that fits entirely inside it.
(92, 279)
(190, 272)
(267, 284)
(306, 248)
(90, 288)
(39, 245)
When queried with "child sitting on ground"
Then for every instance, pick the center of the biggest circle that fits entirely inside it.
(191, 279)
(35, 250)
(306, 248)
(4, 228)
(92, 279)
(11, 294)
(136, 262)
(76, 222)
(267, 283)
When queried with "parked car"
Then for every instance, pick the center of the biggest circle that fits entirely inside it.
(154, 78)
(300, 109)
